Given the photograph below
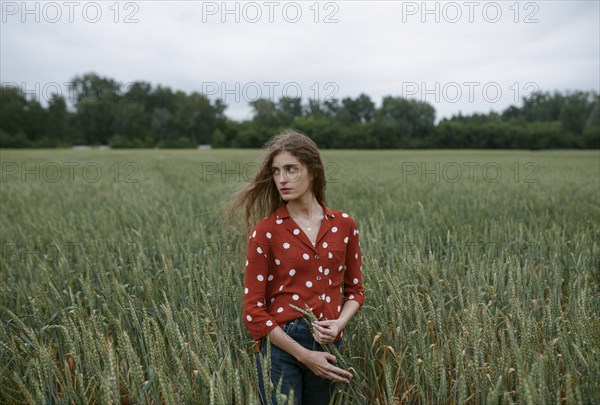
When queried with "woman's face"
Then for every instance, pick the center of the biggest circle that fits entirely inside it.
(290, 176)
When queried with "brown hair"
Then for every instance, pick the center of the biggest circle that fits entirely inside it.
(260, 197)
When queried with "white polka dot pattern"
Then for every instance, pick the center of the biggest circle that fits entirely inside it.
(299, 272)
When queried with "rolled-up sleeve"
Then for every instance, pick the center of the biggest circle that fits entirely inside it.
(353, 285)
(256, 317)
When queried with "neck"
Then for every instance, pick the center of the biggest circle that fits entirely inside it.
(307, 207)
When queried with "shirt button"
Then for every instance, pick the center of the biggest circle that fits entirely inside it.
(319, 279)
(316, 257)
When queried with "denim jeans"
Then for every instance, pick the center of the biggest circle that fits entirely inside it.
(308, 387)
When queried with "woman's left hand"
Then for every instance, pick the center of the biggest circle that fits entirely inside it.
(325, 331)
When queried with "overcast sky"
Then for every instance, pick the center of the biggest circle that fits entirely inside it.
(468, 56)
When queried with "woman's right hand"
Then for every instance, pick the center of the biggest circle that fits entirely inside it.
(318, 363)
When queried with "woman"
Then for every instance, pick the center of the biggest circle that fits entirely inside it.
(303, 253)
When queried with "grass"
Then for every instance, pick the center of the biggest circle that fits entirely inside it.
(481, 285)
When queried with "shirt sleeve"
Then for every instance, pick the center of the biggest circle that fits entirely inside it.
(256, 317)
(353, 286)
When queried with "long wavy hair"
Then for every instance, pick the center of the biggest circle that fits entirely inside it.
(260, 196)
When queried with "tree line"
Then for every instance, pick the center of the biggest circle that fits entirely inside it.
(144, 116)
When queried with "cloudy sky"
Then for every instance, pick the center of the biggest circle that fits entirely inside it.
(468, 56)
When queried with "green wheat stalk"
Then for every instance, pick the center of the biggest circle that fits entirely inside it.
(358, 378)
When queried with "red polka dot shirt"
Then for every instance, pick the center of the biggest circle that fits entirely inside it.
(283, 267)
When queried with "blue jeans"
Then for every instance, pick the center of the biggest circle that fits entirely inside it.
(308, 387)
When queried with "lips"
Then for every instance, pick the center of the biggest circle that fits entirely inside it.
(285, 190)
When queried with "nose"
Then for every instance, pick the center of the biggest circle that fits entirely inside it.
(281, 178)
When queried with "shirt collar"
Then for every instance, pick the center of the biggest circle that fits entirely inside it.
(282, 211)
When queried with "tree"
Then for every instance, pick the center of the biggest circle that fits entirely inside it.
(361, 110)
(289, 109)
(58, 123)
(542, 106)
(131, 122)
(95, 100)
(314, 109)
(575, 111)
(90, 88)
(12, 109)
(36, 124)
(411, 121)
(325, 132)
(265, 113)
(591, 132)
(190, 116)
(219, 140)
(331, 107)
(96, 120)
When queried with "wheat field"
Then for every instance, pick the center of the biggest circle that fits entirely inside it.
(481, 273)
